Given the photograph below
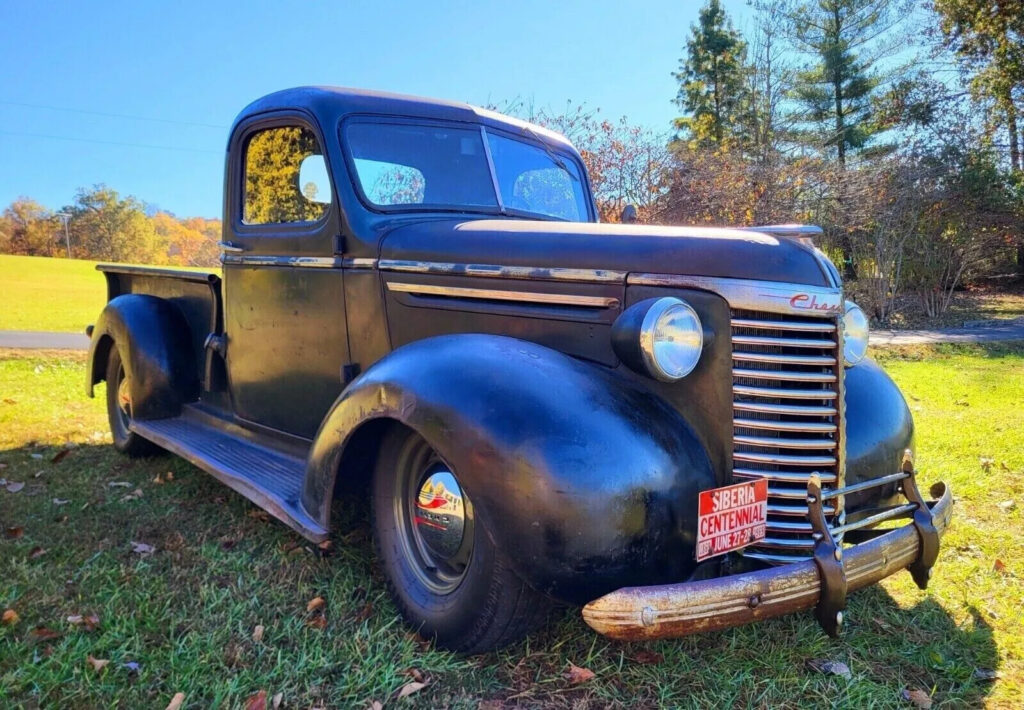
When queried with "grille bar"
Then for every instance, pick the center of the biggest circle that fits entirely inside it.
(787, 422)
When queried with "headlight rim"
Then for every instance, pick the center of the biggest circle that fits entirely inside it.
(648, 329)
(848, 307)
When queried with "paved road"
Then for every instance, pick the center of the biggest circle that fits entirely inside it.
(987, 332)
(38, 341)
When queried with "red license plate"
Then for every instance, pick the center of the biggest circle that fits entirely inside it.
(731, 517)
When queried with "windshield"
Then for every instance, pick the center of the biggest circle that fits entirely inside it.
(399, 165)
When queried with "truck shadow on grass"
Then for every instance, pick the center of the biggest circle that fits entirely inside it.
(187, 614)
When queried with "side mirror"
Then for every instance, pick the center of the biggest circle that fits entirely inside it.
(313, 180)
(628, 215)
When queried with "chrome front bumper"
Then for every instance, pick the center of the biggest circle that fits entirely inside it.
(822, 582)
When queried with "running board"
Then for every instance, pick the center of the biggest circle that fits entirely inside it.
(269, 478)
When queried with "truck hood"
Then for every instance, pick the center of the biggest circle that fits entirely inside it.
(689, 251)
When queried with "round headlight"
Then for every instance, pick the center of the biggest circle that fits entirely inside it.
(671, 339)
(855, 334)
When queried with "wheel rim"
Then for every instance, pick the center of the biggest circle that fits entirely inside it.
(124, 401)
(435, 519)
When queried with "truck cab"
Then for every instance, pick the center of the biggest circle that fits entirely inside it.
(417, 300)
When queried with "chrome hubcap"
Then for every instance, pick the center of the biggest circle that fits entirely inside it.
(436, 519)
(440, 515)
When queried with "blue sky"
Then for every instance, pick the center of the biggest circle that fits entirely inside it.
(200, 62)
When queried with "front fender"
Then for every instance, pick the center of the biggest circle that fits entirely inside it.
(879, 428)
(585, 480)
(155, 342)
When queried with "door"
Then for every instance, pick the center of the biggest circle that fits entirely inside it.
(284, 300)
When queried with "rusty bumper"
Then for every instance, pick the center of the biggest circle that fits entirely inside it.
(821, 582)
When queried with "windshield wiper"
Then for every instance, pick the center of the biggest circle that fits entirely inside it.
(555, 157)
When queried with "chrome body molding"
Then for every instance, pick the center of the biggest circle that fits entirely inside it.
(488, 294)
(749, 295)
(309, 262)
(359, 263)
(539, 273)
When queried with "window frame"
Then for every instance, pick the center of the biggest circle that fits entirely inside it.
(240, 145)
(499, 210)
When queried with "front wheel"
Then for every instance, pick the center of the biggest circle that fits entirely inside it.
(119, 410)
(446, 575)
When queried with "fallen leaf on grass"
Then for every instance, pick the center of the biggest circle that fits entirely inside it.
(376, 705)
(257, 633)
(61, 501)
(60, 455)
(14, 486)
(576, 675)
(97, 664)
(317, 622)
(985, 674)
(142, 548)
(14, 533)
(119, 484)
(134, 495)
(257, 701)
(986, 463)
(326, 547)
(8, 400)
(1007, 505)
(416, 674)
(315, 603)
(9, 618)
(364, 613)
(408, 689)
(89, 622)
(61, 519)
(176, 702)
(999, 566)
(41, 633)
(259, 514)
(36, 552)
(275, 702)
(917, 697)
(827, 667)
(647, 657)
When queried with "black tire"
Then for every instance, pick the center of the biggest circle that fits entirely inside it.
(482, 606)
(119, 411)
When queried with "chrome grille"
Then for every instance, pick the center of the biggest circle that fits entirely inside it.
(787, 421)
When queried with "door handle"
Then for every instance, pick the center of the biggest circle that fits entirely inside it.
(229, 247)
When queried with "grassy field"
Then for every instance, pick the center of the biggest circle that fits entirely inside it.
(60, 295)
(182, 619)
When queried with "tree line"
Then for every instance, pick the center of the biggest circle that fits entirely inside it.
(103, 226)
(892, 125)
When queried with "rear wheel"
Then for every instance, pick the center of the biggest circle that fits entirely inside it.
(119, 410)
(447, 577)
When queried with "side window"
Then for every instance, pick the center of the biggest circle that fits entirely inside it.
(277, 160)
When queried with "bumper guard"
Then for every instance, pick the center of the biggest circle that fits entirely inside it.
(822, 582)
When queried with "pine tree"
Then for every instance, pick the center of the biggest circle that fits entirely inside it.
(845, 40)
(711, 78)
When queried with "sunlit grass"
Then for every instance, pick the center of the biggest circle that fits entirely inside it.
(186, 614)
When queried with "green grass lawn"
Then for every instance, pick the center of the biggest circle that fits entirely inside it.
(186, 614)
(59, 295)
(40, 293)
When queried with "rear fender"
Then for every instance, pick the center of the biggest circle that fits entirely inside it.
(586, 480)
(155, 342)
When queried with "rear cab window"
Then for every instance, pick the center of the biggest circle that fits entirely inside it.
(285, 177)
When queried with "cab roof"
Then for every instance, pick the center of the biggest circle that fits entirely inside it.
(330, 104)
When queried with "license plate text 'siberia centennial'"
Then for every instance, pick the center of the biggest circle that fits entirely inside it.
(731, 517)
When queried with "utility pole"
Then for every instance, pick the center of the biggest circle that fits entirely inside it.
(64, 217)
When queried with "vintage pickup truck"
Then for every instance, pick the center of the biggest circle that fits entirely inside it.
(676, 427)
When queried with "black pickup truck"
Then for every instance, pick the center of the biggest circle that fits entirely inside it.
(676, 427)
